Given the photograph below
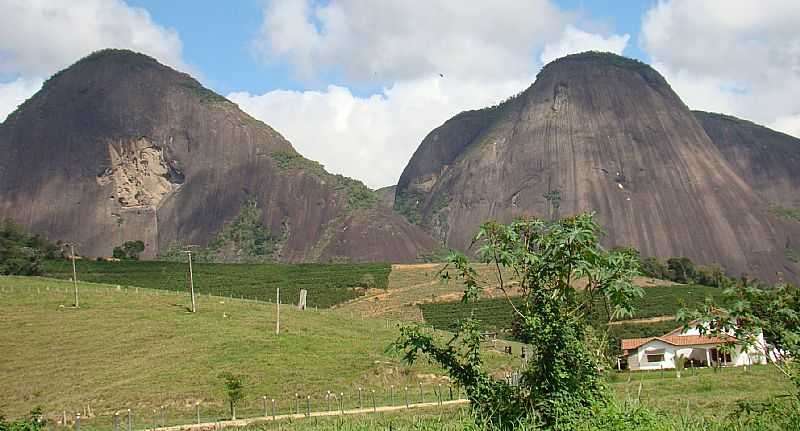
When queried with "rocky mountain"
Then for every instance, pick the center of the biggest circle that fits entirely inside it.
(119, 147)
(600, 132)
(767, 160)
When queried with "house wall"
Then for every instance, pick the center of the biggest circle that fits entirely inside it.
(638, 360)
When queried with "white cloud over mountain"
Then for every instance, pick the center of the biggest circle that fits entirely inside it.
(741, 58)
(439, 58)
(40, 37)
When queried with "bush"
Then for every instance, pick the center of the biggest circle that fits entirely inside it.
(21, 253)
(130, 250)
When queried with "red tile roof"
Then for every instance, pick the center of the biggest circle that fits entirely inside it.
(675, 340)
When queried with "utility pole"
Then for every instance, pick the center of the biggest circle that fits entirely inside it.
(191, 280)
(278, 304)
(74, 274)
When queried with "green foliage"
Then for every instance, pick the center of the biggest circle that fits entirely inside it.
(786, 213)
(358, 195)
(129, 250)
(793, 255)
(498, 315)
(32, 422)
(327, 284)
(22, 253)
(561, 379)
(441, 254)
(245, 239)
(409, 205)
(233, 385)
(750, 311)
(683, 270)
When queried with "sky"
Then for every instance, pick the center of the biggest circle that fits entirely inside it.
(357, 84)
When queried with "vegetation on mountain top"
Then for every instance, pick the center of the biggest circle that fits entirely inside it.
(358, 195)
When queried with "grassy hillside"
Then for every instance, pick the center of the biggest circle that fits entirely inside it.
(124, 349)
(142, 350)
(327, 284)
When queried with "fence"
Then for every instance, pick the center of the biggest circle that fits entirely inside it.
(212, 413)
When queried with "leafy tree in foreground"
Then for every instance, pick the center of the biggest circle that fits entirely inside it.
(547, 259)
(773, 311)
(234, 390)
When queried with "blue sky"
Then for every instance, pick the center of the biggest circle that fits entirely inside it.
(357, 84)
(217, 39)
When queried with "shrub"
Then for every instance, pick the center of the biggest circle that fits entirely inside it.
(129, 250)
(562, 377)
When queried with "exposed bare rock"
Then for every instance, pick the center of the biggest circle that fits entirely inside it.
(768, 160)
(596, 132)
(119, 147)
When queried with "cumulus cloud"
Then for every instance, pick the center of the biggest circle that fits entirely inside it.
(396, 40)
(486, 52)
(40, 37)
(574, 40)
(370, 138)
(13, 93)
(741, 58)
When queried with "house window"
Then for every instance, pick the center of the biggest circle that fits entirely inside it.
(656, 355)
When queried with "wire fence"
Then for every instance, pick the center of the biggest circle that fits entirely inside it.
(265, 407)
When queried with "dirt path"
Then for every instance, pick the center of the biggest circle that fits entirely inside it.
(244, 422)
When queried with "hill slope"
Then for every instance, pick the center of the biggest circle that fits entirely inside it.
(766, 159)
(119, 147)
(596, 132)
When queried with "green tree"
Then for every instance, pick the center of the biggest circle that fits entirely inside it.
(682, 269)
(562, 378)
(766, 319)
(129, 250)
(21, 253)
(233, 385)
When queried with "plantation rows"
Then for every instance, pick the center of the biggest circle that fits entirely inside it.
(497, 315)
(327, 284)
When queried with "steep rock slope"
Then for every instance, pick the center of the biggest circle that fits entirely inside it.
(596, 132)
(119, 147)
(768, 160)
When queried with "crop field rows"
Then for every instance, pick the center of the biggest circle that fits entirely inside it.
(327, 284)
(496, 315)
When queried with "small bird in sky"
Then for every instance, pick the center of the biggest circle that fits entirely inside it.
(441, 75)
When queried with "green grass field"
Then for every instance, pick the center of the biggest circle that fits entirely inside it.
(327, 284)
(141, 350)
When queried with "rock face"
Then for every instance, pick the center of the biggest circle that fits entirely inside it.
(768, 160)
(597, 132)
(119, 147)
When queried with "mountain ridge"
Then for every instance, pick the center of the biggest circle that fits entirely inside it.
(596, 132)
(119, 147)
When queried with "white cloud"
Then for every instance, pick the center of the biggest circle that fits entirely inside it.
(13, 93)
(487, 51)
(370, 138)
(396, 40)
(574, 40)
(40, 37)
(789, 124)
(741, 57)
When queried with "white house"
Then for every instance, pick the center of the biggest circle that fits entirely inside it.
(657, 353)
